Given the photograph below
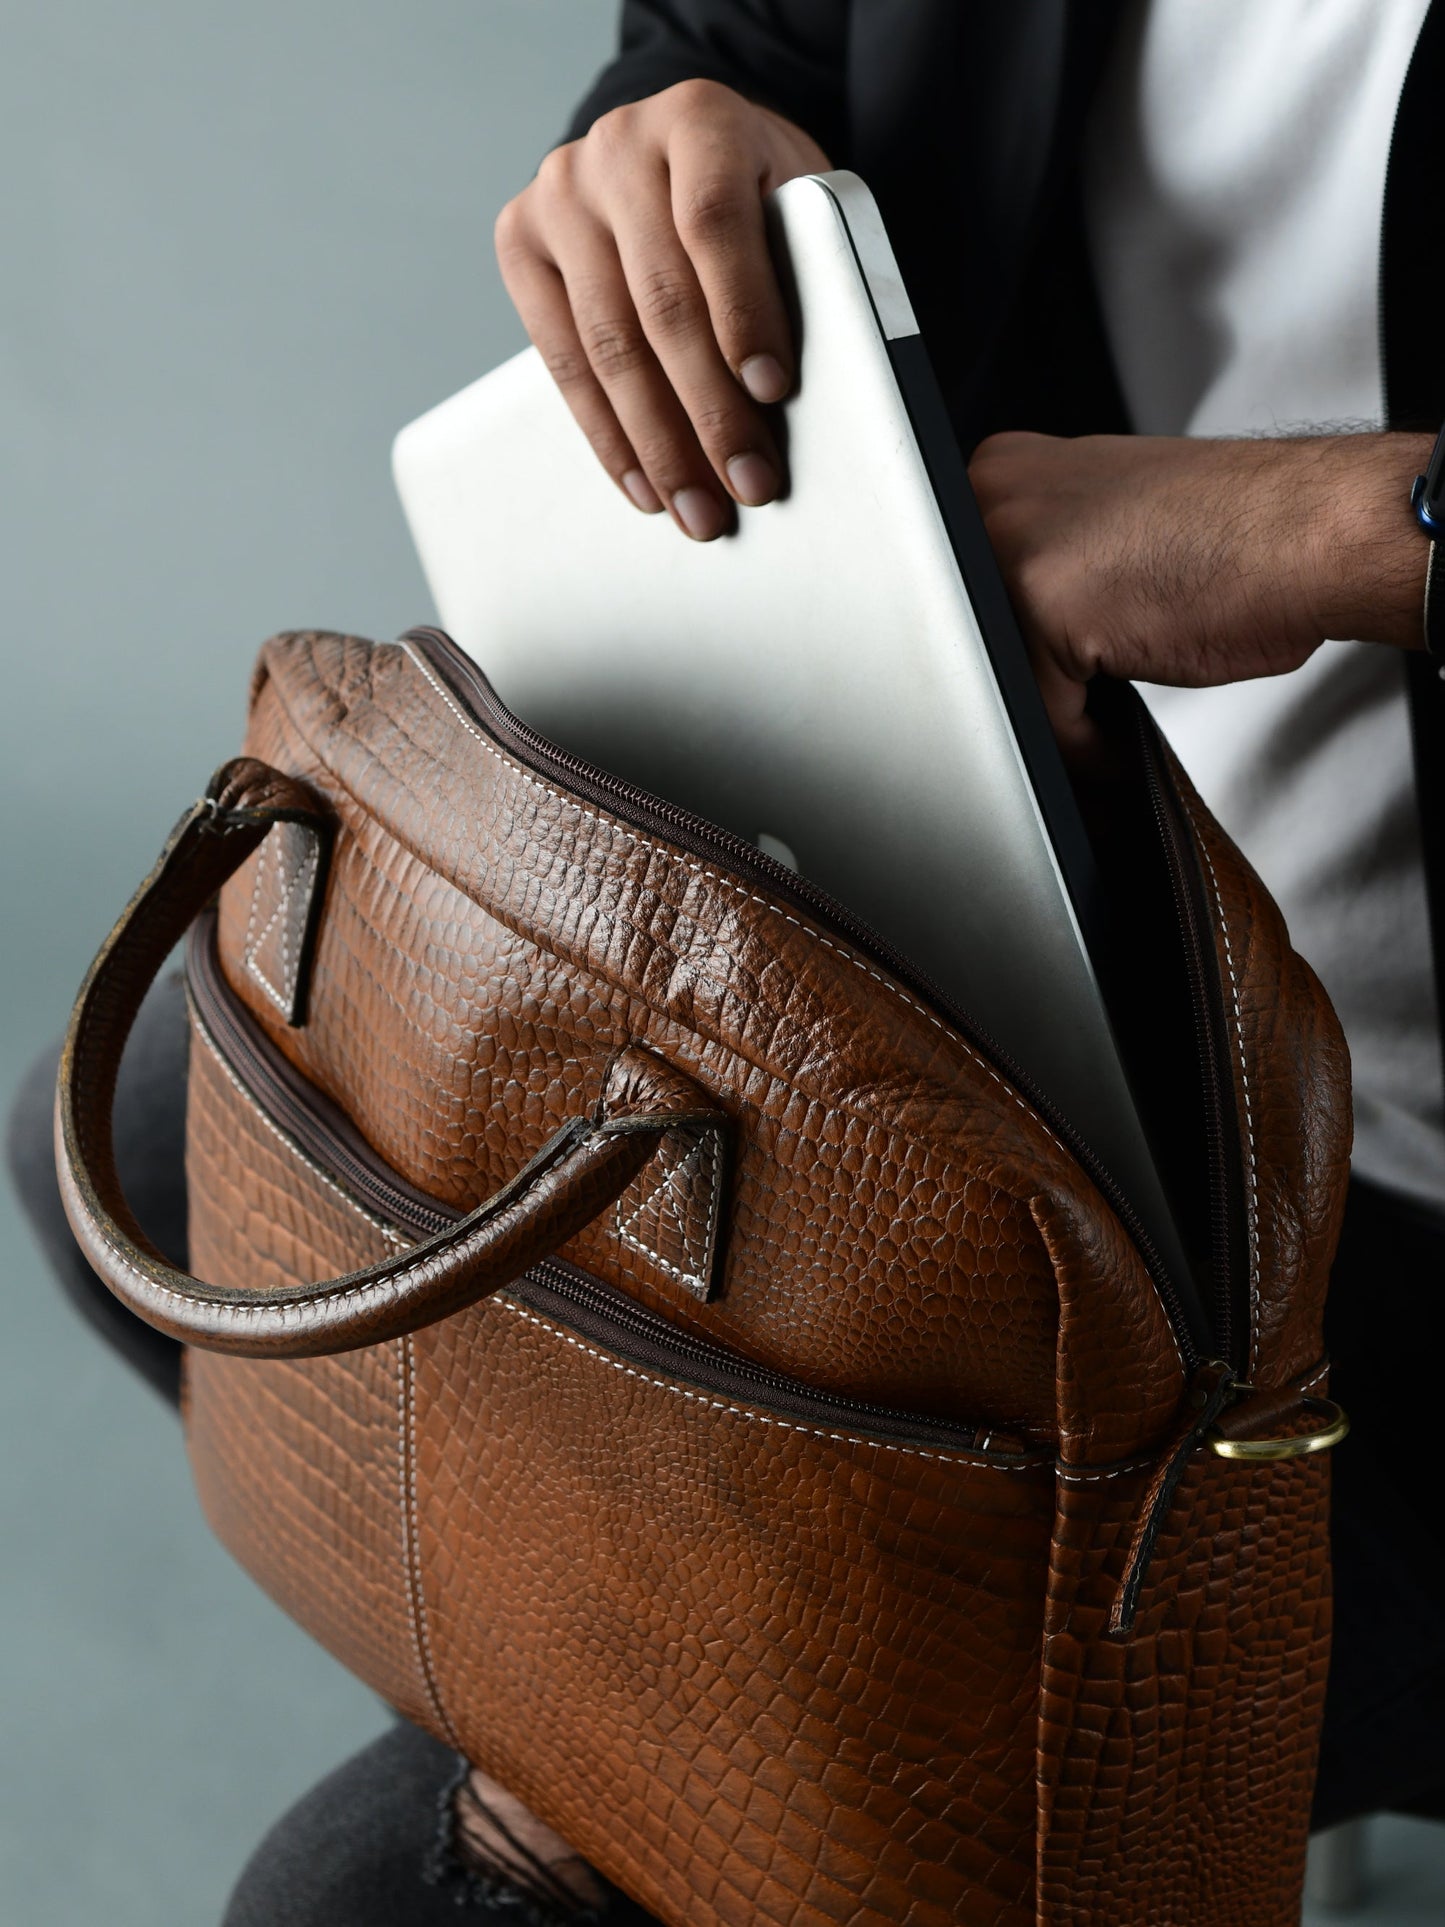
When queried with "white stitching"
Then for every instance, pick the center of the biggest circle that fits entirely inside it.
(389, 1232)
(265, 852)
(706, 1141)
(674, 1171)
(1117, 1472)
(284, 887)
(756, 1417)
(710, 1252)
(500, 1298)
(1252, 1176)
(411, 1540)
(250, 946)
(1064, 1473)
(290, 881)
(689, 1278)
(614, 828)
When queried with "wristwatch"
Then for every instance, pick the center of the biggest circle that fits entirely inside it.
(1427, 498)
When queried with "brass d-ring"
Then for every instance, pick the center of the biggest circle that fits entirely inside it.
(1334, 1428)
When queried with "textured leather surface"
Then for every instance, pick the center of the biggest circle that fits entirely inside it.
(810, 1688)
(301, 1465)
(1176, 1766)
(581, 1168)
(617, 1572)
(285, 896)
(1289, 1065)
(761, 1671)
(898, 1216)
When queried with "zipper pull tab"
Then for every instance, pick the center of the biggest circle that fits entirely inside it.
(1213, 1386)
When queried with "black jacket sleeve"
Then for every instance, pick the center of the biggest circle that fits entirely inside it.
(790, 55)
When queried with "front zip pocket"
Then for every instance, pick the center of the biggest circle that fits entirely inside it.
(554, 1290)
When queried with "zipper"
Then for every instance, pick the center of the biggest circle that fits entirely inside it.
(553, 1289)
(695, 834)
(1228, 1241)
(321, 1130)
(597, 1311)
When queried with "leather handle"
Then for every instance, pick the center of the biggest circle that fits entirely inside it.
(582, 1169)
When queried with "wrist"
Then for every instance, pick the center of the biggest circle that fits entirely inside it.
(1368, 551)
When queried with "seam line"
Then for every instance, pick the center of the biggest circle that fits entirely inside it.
(755, 1417)
(1237, 1052)
(410, 1538)
(626, 1228)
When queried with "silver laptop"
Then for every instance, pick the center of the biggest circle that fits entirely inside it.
(840, 680)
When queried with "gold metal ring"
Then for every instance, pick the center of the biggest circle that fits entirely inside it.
(1335, 1426)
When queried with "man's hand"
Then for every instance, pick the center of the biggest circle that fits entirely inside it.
(638, 262)
(1178, 560)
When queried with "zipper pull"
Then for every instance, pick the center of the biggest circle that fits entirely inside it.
(1213, 1386)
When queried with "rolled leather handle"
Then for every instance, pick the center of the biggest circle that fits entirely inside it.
(582, 1168)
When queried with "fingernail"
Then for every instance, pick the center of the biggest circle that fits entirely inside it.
(763, 377)
(641, 491)
(753, 479)
(699, 512)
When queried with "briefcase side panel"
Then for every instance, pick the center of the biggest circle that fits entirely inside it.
(755, 1667)
(1290, 1083)
(1176, 1762)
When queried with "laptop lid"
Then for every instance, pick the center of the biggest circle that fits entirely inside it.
(841, 676)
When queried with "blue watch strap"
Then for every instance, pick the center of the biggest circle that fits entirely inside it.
(1427, 496)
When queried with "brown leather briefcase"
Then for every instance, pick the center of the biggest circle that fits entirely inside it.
(734, 1413)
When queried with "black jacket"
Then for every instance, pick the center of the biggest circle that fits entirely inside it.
(965, 122)
(966, 118)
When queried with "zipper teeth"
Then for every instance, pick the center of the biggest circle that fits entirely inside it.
(647, 812)
(270, 1084)
(1220, 1217)
(249, 1056)
(602, 1301)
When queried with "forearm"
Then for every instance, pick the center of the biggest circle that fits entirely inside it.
(1172, 559)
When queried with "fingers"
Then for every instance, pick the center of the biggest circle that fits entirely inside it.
(540, 297)
(1005, 475)
(652, 415)
(721, 421)
(717, 213)
(583, 316)
(638, 261)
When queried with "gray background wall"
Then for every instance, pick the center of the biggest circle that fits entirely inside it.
(241, 246)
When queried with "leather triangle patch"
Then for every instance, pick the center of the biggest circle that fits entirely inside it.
(673, 1213)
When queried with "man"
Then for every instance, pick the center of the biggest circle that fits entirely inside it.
(1163, 218)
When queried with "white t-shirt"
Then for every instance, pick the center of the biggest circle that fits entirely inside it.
(1234, 184)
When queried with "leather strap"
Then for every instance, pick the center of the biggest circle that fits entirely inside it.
(578, 1173)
